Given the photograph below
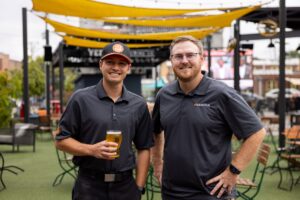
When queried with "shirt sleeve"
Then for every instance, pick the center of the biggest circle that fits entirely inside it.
(157, 128)
(241, 118)
(70, 120)
(144, 135)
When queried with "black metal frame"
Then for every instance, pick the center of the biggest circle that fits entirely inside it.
(66, 165)
(8, 168)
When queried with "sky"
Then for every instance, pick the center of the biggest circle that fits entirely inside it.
(11, 41)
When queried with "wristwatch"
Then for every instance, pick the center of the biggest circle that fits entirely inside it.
(234, 170)
(142, 190)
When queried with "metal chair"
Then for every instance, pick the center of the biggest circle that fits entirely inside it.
(45, 125)
(271, 169)
(7, 168)
(152, 185)
(248, 189)
(65, 163)
(1, 172)
(291, 156)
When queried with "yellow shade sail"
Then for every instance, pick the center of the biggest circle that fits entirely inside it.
(221, 20)
(72, 41)
(76, 31)
(97, 10)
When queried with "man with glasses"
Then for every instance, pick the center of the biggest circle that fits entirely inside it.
(108, 107)
(199, 115)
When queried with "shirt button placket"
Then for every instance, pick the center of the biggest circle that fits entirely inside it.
(114, 115)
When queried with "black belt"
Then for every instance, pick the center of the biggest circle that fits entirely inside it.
(106, 176)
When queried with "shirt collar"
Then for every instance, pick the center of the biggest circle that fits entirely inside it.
(201, 89)
(102, 94)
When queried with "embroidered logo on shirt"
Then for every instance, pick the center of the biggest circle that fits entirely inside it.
(201, 104)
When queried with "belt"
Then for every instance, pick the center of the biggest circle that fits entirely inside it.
(106, 176)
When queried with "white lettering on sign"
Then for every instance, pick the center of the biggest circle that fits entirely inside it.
(95, 52)
(141, 53)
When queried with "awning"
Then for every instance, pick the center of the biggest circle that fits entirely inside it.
(97, 10)
(294, 81)
(94, 44)
(76, 31)
(221, 20)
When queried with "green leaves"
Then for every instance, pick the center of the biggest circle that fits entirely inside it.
(6, 102)
(11, 87)
(36, 77)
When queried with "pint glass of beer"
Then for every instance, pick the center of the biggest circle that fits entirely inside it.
(115, 136)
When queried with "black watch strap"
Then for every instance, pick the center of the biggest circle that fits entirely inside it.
(234, 170)
(142, 190)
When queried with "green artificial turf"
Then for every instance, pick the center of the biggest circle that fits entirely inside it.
(41, 167)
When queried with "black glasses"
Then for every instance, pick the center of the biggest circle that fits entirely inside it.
(189, 56)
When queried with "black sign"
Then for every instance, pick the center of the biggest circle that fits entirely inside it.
(89, 57)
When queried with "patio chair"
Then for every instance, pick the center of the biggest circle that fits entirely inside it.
(7, 168)
(1, 172)
(291, 156)
(248, 189)
(20, 134)
(45, 125)
(271, 169)
(152, 185)
(66, 165)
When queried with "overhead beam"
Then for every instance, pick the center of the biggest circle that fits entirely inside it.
(260, 37)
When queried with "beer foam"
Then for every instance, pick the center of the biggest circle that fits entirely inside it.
(114, 132)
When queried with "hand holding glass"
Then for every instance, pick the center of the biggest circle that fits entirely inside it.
(115, 136)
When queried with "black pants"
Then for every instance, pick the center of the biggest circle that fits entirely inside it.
(170, 196)
(204, 197)
(92, 188)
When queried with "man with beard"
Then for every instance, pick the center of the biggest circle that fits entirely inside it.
(198, 116)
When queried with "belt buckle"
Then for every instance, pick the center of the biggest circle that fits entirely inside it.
(109, 177)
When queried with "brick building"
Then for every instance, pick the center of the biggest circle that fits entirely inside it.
(7, 64)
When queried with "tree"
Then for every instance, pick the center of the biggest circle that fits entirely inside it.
(8, 90)
(36, 77)
(69, 76)
(293, 54)
(11, 87)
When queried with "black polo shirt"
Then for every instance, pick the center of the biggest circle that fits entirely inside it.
(90, 112)
(198, 128)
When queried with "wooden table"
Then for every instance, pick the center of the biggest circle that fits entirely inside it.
(272, 119)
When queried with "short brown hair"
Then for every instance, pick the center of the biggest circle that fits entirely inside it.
(190, 38)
